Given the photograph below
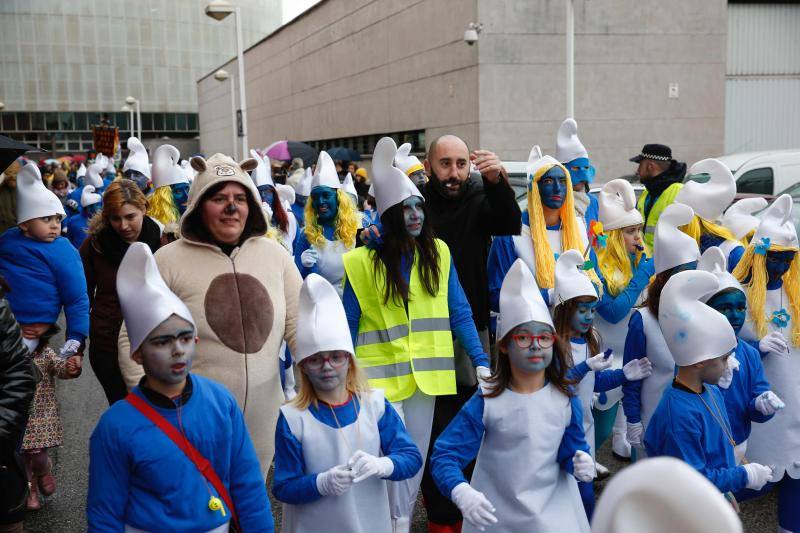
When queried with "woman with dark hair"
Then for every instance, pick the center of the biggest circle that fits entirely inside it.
(122, 221)
(523, 425)
(675, 251)
(404, 303)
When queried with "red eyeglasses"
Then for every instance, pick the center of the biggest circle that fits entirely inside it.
(316, 362)
(525, 340)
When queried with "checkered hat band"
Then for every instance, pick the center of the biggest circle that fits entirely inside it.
(656, 157)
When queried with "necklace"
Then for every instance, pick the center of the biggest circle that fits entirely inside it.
(717, 415)
(350, 450)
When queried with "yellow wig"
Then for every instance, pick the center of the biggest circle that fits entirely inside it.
(754, 266)
(570, 230)
(700, 226)
(347, 222)
(614, 261)
(162, 206)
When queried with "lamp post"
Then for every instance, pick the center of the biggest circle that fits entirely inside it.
(221, 76)
(2, 106)
(218, 10)
(570, 33)
(134, 102)
(129, 110)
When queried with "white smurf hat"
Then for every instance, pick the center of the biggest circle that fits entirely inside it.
(520, 300)
(392, 186)
(671, 246)
(304, 185)
(321, 322)
(694, 332)
(137, 157)
(776, 224)
(710, 199)
(405, 161)
(81, 172)
(188, 171)
(681, 500)
(617, 205)
(536, 161)
(713, 260)
(166, 168)
(145, 299)
(94, 176)
(739, 217)
(348, 185)
(285, 193)
(571, 279)
(34, 200)
(325, 173)
(89, 197)
(568, 145)
(262, 175)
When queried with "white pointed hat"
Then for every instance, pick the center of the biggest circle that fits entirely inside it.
(617, 203)
(671, 246)
(405, 161)
(262, 175)
(681, 500)
(111, 166)
(34, 200)
(81, 172)
(739, 217)
(145, 299)
(166, 167)
(694, 332)
(392, 186)
(348, 185)
(325, 173)
(520, 300)
(710, 199)
(713, 260)
(188, 171)
(321, 322)
(94, 175)
(285, 193)
(776, 224)
(304, 185)
(568, 145)
(89, 196)
(137, 157)
(537, 161)
(571, 279)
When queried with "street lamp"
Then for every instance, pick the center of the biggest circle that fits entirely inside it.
(570, 34)
(221, 76)
(134, 102)
(218, 10)
(128, 109)
(2, 106)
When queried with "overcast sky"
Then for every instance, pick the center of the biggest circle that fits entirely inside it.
(292, 8)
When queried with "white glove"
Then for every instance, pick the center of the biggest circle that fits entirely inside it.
(727, 375)
(483, 373)
(365, 466)
(335, 482)
(638, 369)
(309, 258)
(583, 466)
(768, 402)
(474, 506)
(634, 434)
(774, 342)
(69, 349)
(600, 362)
(757, 475)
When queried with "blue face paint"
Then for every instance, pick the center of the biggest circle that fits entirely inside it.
(111, 174)
(180, 195)
(267, 193)
(778, 264)
(534, 358)
(92, 210)
(733, 305)
(553, 188)
(583, 318)
(324, 202)
(580, 170)
(139, 179)
(686, 266)
(413, 216)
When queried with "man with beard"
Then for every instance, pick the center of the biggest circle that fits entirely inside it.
(662, 178)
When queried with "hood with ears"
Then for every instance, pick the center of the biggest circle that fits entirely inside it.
(218, 169)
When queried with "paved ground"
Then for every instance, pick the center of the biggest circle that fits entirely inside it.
(82, 402)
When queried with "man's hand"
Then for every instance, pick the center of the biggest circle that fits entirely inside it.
(74, 365)
(488, 164)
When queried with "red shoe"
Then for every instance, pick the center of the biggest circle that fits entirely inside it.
(33, 503)
(47, 482)
(444, 528)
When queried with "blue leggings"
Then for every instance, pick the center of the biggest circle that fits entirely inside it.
(587, 497)
(788, 501)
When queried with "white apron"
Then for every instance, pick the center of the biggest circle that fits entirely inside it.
(777, 442)
(663, 366)
(517, 468)
(362, 509)
(330, 264)
(291, 231)
(585, 391)
(523, 245)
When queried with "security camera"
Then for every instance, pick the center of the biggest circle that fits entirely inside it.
(471, 34)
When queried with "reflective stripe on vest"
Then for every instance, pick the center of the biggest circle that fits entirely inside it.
(666, 198)
(401, 351)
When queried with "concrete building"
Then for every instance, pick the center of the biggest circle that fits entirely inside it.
(348, 71)
(64, 63)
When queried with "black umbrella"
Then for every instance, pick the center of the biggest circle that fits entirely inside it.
(340, 153)
(11, 149)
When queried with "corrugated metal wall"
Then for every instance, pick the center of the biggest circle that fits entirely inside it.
(762, 100)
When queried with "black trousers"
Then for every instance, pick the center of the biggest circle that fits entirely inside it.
(105, 366)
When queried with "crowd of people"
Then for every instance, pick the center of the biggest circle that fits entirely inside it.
(372, 336)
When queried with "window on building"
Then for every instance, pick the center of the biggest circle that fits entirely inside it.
(758, 181)
(180, 121)
(23, 122)
(80, 122)
(8, 122)
(192, 122)
(65, 122)
(157, 122)
(169, 121)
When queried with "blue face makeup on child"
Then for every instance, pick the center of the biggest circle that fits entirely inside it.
(324, 202)
(778, 264)
(413, 216)
(138, 178)
(583, 318)
(267, 193)
(733, 305)
(580, 170)
(532, 358)
(553, 188)
(180, 195)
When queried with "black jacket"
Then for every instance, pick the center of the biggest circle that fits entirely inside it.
(467, 224)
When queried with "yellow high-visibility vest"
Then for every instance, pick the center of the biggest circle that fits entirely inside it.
(401, 351)
(666, 198)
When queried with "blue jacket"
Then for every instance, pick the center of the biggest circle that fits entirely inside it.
(748, 384)
(76, 226)
(44, 277)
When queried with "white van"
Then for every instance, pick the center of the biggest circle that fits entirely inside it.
(766, 172)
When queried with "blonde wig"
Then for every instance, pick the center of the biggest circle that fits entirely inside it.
(356, 384)
(162, 206)
(614, 261)
(700, 226)
(347, 223)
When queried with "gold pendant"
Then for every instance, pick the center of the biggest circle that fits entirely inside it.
(215, 504)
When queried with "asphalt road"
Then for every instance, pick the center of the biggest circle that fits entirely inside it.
(82, 402)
